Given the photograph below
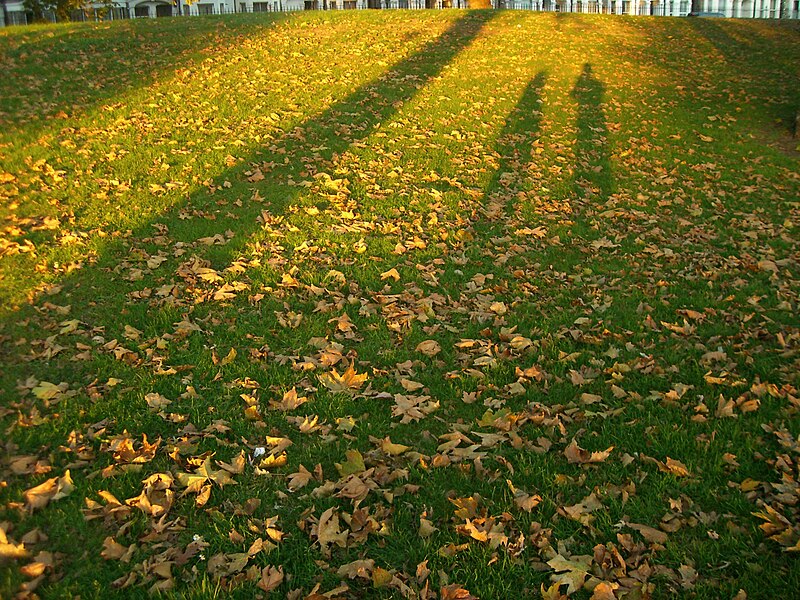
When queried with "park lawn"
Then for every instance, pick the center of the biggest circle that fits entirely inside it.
(400, 304)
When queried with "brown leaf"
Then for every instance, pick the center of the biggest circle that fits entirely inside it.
(426, 528)
(112, 550)
(429, 347)
(329, 531)
(604, 591)
(357, 568)
(410, 385)
(650, 534)
(156, 401)
(577, 455)
(236, 466)
(455, 592)
(300, 479)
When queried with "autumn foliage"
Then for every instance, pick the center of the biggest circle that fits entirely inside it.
(430, 304)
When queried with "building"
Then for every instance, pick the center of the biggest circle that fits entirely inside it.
(15, 13)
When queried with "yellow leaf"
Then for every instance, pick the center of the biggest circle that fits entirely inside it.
(390, 273)
(677, 468)
(393, 449)
(272, 461)
(353, 464)
(229, 357)
(33, 570)
(290, 401)
(12, 551)
(54, 488)
(47, 391)
(381, 577)
(347, 382)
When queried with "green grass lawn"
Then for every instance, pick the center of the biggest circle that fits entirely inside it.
(400, 305)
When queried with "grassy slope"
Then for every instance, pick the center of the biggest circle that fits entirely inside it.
(653, 154)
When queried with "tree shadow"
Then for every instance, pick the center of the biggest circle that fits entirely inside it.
(150, 50)
(101, 288)
(753, 63)
(593, 178)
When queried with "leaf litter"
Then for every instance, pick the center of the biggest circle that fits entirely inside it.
(510, 333)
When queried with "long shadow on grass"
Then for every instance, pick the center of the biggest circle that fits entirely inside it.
(521, 129)
(103, 292)
(757, 66)
(41, 63)
(593, 178)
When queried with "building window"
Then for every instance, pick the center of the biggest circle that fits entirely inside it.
(205, 9)
(260, 6)
(349, 4)
(141, 11)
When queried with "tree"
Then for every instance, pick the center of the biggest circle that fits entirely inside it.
(62, 8)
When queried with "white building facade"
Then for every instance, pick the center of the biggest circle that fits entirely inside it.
(15, 12)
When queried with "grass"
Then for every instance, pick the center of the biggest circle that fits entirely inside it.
(593, 217)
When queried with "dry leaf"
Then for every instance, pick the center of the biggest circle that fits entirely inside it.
(52, 489)
(271, 578)
(577, 455)
(429, 347)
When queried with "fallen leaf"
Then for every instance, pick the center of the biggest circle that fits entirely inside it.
(348, 382)
(429, 348)
(271, 578)
(577, 455)
(52, 489)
